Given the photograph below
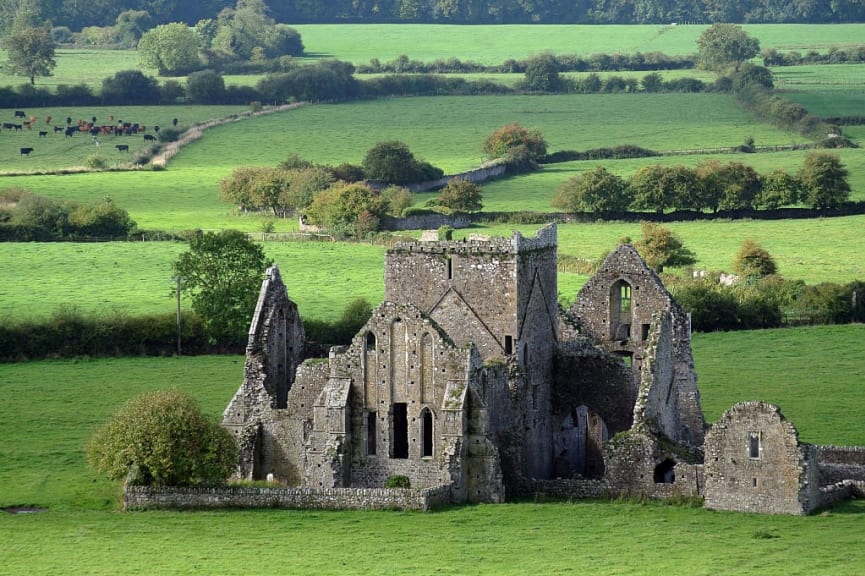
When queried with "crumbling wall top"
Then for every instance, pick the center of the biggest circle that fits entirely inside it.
(545, 238)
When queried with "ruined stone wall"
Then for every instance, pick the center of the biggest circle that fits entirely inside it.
(536, 343)
(468, 288)
(839, 463)
(616, 308)
(148, 498)
(657, 400)
(754, 462)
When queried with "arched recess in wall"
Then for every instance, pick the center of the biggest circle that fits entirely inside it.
(578, 444)
(426, 372)
(282, 359)
(621, 309)
(398, 366)
(370, 368)
(427, 433)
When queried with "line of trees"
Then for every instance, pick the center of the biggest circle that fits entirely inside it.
(821, 182)
(77, 15)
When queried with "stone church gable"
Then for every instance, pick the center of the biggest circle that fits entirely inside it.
(756, 463)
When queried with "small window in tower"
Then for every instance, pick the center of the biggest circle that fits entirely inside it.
(370, 342)
(450, 268)
(645, 332)
(754, 445)
(509, 345)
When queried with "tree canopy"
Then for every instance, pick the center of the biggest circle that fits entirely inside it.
(824, 180)
(595, 190)
(170, 48)
(162, 439)
(30, 52)
(223, 273)
(723, 46)
(660, 248)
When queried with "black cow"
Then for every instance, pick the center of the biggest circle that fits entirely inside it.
(122, 147)
(149, 138)
(20, 114)
(70, 131)
(43, 133)
(17, 127)
(8, 125)
(58, 129)
(26, 151)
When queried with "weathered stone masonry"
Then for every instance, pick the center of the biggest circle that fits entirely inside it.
(471, 381)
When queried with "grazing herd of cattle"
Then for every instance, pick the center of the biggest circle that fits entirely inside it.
(119, 128)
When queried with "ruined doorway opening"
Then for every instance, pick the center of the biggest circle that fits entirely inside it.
(664, 472)
(426, 433)
(620, 311)
(579, 444)
(399, 439)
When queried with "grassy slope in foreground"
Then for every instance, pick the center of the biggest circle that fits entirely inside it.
(522, 538)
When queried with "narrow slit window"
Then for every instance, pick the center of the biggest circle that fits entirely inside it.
(370, 434)
(509, 345)
(450, 268)
(426, 430)
(399, 445)
(754, 445)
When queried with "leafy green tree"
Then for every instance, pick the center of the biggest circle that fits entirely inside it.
(130, 26)
(205, 87)
(779, 189)
(392, 162)
(162, 439)
(507, 139)
(741, 186)
(660, 248)
(724, 46)
(461, 195)
(397, 198)
(103, 219)
(660, 188)
(542, 74)
(222, 271)
(824, 180)
(172, 49)
(347, 209)
(754, 261)
(248, 28)
(130, 87)
(595, 190)
(30, 52)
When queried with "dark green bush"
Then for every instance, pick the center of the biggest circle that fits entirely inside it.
(397, 481)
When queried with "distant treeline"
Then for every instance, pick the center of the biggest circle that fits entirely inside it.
(77, 15)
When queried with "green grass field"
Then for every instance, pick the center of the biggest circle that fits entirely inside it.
(51, 408)
(323, 277)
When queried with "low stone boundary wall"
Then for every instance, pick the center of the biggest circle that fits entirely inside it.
(147, 497)
(838, 463)
(574, 488)
(835, 493)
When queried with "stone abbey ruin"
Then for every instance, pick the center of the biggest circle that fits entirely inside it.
(475, 384)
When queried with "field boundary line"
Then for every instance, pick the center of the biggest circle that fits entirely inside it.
(197, 131)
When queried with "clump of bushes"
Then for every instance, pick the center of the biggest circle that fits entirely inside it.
(397, 481)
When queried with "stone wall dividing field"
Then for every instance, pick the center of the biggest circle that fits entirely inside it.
(838, 463)
(146, 498)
